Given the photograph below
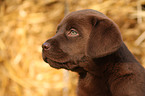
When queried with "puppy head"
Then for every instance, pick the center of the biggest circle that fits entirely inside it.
(85, 33)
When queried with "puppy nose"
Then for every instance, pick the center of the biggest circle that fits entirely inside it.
(46, 46)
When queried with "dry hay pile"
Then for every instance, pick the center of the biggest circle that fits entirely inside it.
(26, 24)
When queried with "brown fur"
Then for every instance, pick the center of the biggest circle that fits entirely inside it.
(104, 63)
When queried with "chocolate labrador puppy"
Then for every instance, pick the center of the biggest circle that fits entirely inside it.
(90, 43)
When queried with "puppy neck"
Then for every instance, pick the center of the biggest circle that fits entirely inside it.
(98, 66)
(122, 55)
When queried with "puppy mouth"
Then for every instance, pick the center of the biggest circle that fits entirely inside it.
(55, 62)
(59, 59)
(63, 62)
(58, 65)
(48, 60)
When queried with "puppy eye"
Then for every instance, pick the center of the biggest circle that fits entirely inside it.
(72, 33)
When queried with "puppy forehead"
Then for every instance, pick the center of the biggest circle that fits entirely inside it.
(81, 17)
(74, 19)
(85, 12)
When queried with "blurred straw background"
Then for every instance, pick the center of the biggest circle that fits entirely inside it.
(26, 24)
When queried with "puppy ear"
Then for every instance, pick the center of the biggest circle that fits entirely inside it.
(104, 39)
